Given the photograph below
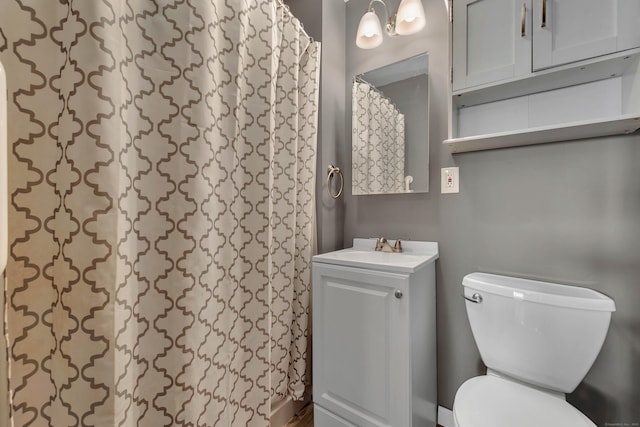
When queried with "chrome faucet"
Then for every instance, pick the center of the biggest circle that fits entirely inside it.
(382, 245)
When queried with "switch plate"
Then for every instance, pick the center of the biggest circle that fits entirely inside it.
(450, 180)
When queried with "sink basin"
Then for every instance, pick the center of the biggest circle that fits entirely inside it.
(415, 255)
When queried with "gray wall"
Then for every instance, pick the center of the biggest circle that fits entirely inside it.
(309, 12)
(411, 96)
(325, 21)
(566, 212)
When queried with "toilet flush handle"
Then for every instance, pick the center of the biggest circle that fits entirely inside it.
(475, 298)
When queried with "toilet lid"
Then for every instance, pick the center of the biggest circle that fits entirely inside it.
(490, 401)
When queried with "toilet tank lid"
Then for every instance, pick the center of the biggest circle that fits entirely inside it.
(539, 292)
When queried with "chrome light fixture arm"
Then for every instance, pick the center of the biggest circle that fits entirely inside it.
(390, 26)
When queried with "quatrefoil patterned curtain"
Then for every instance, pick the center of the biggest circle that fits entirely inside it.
(161, 163)
(378, 142)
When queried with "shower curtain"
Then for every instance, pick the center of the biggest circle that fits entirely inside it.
(378, 143)
(162, 161)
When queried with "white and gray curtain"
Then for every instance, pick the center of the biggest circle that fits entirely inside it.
(378, 142)
(162, 161)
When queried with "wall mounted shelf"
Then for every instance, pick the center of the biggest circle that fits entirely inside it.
(578, 130)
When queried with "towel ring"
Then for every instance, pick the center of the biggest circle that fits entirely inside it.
(331, 171)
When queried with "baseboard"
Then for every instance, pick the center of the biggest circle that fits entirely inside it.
(445, 417)
(283, 410)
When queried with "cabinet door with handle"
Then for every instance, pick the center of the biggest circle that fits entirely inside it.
(566, 31)
(361, 345)
(491, 41)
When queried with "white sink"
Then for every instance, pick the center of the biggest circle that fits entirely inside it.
(415, 255)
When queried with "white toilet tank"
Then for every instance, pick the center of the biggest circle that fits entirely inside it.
(541, 333)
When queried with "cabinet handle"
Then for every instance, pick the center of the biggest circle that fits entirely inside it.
(523, 20)
(544, 14)
(398, 293)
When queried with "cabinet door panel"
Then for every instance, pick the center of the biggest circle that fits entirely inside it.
(581, 29)
(488, 43)
(357, 343)
(361, 345)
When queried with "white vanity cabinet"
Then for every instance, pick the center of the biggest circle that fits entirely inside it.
(374, 342)
(535, 71)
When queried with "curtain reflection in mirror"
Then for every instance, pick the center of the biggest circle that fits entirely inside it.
(378, 142)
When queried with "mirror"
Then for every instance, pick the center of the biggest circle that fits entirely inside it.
(390, 128)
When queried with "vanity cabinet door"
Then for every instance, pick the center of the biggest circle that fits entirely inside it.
(361, 346)
(491, 41)
(566, 31)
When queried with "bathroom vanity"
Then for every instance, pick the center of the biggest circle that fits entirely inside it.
(374, 336)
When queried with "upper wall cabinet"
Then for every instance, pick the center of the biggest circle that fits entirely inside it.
(572, 30)
(496, 40)
(534, 71)
(488, 45)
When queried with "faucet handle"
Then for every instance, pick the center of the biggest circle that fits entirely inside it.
(398, 246)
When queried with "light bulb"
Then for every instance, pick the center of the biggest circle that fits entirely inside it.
(369, 33)
(410, 17)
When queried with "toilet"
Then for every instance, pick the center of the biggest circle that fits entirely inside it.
(538, 341)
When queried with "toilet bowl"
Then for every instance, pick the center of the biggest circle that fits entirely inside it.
(538, 341)
(490, 401)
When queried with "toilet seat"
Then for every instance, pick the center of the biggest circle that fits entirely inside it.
(491, 401)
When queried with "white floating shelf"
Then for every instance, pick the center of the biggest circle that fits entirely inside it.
(624, 124)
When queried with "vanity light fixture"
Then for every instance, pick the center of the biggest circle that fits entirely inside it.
(409, 20)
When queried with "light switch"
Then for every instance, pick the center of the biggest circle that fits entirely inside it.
(450, 180)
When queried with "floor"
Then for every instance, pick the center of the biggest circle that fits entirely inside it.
(304, 418)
